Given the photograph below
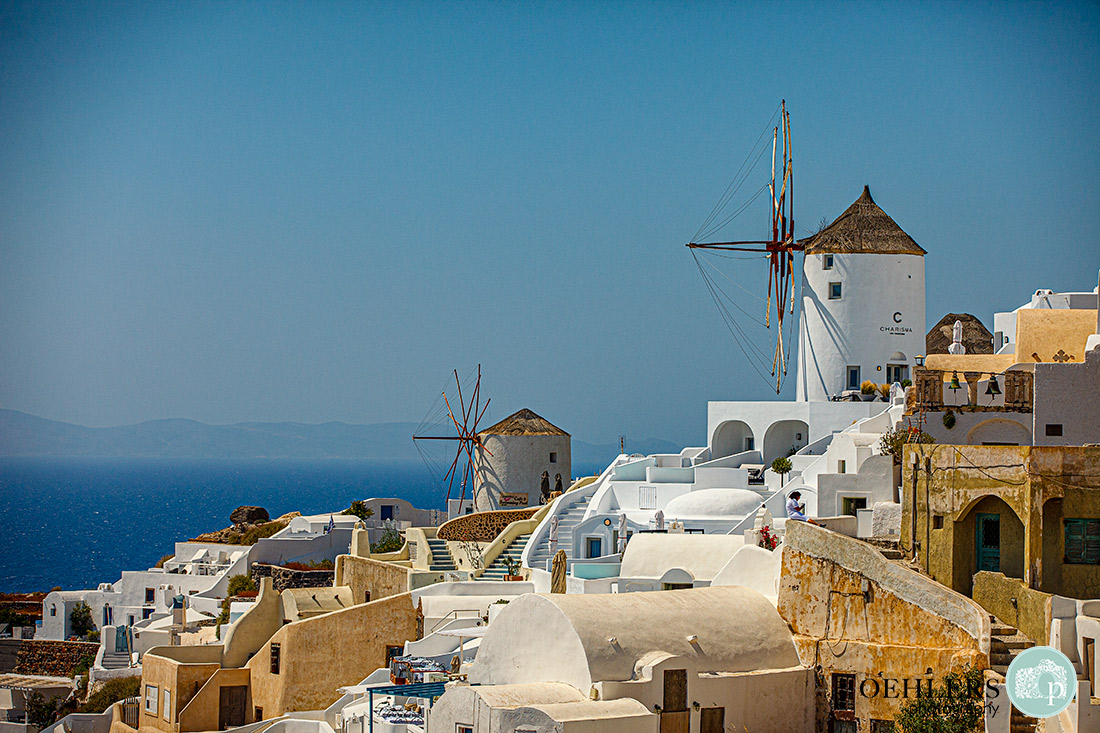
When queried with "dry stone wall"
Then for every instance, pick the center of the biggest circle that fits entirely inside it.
(482, 526)
(283, 578)
(53, 658)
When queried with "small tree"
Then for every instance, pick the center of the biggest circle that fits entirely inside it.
(111, 692)
(893, 441)
(359, 509)
(80, 620)
(782, 466)
(390, 541)
(41, 712)
(957, 705)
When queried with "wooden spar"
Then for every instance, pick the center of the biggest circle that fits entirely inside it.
(469, 442)
(782, 246)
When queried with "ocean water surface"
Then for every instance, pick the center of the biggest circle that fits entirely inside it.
(78, 522)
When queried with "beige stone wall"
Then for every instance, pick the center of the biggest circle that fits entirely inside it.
(183, 680)
(254, 628)
(365, 576)
(846, 623)
(1031, 611)
(202, 712)
(321, 654)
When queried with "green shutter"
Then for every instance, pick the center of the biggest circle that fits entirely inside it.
(1082, 541)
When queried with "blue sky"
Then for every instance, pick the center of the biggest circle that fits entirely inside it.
(314, 211)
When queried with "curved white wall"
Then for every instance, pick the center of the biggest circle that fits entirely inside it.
(880, 312)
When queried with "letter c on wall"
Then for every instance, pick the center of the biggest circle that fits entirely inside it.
(897, 316)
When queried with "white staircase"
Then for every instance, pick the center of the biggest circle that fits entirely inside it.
(568, 517)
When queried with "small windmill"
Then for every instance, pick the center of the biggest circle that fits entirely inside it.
(465, 421)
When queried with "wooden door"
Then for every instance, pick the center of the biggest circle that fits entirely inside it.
(231, 708)
(675, 717)
(712, 720)
(675, 722)
(676, 695)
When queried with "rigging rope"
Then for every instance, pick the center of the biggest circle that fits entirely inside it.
(731, 323)
(731, 189)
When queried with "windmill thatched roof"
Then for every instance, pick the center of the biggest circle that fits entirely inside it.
(976, 337)
(524, 422)
(863, 228)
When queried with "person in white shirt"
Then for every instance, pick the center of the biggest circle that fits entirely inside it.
(795, 510)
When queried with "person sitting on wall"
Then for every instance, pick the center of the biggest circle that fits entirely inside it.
(797, 511)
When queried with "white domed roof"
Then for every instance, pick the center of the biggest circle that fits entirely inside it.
(714, 503)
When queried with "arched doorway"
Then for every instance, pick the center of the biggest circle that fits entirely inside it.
(988, 537)
(897, 369)
(731, 437)
(783, 436)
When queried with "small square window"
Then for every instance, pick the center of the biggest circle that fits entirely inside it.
(844, 691)
(937, 521)
(459, 728)
(1054, 429)
(258, 714)
(553, 457)
(834, 291)
(150, 595)
(841, 466)
(826, 262)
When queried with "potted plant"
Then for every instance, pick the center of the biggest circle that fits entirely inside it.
(513, 569)
(867, 391)
(884, 390)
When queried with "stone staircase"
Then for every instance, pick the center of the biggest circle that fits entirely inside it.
(567, 520)
(1005, 644)
(499, 567)
(116, 660)
(441, 557)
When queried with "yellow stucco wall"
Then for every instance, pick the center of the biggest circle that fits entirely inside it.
(320, 654)
(845, 623)
(1047, 331)
(202, 712)
(1033, 489)
(183, 680)
(1031, 611)
(1041, 334)
(361, 574)
(984, 363)
(254, 627)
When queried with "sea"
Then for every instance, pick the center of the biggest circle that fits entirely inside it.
(76, 522)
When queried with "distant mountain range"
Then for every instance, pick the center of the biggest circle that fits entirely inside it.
(29, 436)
